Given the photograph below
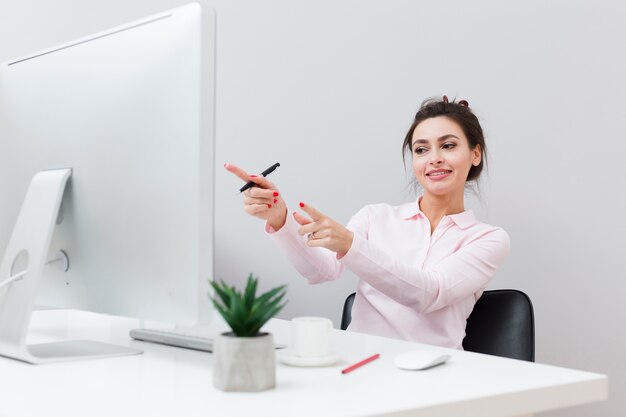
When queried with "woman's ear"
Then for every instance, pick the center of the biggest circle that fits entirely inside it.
(478, 156)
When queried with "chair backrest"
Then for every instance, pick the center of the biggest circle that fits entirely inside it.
(502, 324)
(346, 317)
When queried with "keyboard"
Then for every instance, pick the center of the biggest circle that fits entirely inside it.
(186, 340)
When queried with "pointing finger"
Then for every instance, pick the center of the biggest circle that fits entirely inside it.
(260, 181)
(311, 211)
(300, 218)
(237, 171)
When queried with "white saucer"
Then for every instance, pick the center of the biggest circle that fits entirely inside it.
(290, 359)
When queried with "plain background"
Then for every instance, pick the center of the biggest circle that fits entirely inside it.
(328, 88)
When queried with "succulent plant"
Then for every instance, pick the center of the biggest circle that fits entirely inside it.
(244, 312)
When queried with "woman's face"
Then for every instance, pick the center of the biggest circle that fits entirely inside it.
(442, 156)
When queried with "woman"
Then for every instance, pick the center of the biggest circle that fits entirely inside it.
(422, 265)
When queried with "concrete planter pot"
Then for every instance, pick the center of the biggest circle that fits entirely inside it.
(244, 364)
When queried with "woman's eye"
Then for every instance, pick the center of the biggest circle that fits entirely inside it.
(449, 145)
(420, 150)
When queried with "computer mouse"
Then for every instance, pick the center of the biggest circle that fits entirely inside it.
(420, 359)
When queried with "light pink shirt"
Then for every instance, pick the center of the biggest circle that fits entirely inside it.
(412, 286)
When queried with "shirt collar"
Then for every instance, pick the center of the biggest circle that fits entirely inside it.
(412, 210)
(464, 219)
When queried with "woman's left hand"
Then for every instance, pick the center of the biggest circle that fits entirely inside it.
(322, 231)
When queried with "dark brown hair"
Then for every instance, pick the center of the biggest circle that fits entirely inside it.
(459, 113)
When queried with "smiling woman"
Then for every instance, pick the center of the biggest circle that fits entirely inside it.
(422, 265)
(448, 149)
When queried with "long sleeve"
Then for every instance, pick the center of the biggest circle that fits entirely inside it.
(453, 278)
(315, 264)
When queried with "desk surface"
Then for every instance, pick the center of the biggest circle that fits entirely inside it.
(168, 381)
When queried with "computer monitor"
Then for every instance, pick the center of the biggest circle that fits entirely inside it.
(107, 164)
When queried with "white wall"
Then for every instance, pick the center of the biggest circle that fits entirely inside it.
(328, 89)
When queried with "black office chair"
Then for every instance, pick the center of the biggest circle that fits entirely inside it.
(502, 324)
(346, 317)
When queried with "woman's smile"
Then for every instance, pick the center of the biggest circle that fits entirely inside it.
(438, 174)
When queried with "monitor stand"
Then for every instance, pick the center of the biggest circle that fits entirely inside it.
(21, 271)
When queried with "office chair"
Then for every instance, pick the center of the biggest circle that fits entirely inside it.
(346, 317)
(502, 324)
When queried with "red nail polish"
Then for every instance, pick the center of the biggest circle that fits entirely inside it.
(275, 194)
(252, 176)
(301, 204)
(275, 201)
(269, 206)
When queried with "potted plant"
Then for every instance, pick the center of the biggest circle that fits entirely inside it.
(244, 359)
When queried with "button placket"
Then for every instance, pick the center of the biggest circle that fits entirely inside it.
(427, 243)
(441, 229)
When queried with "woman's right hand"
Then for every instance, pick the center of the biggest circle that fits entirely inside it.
(262, 200)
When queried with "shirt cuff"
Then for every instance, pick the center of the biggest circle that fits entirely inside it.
(353, 253)
(290, 226)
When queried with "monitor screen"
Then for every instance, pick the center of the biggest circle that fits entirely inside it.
(131, 111)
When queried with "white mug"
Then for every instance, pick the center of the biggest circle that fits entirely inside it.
(310, 336)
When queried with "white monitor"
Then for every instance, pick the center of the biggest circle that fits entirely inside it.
(129, 114)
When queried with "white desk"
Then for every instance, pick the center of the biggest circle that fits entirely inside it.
(168, 381)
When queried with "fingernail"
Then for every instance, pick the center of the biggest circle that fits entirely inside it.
(275, 201)
(294, 214)
(252, 176)
(225, 165)
(275, 194)
(269, 206)
(301, 204)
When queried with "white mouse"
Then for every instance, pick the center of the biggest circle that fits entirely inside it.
(420, 359)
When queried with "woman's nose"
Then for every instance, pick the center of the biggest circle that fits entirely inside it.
(435, 158)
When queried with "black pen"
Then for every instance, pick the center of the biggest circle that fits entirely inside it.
(264, 173)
